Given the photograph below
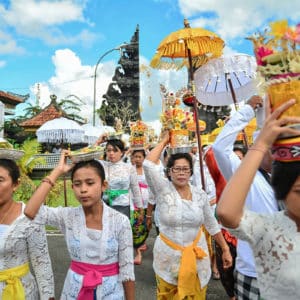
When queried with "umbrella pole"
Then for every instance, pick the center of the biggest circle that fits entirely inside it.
(65, 191)
(195, 107)
(236, 107)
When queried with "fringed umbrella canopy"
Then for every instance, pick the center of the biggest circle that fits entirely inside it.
(172, 51)
(226, 80)
(92, 133)
(60, 130)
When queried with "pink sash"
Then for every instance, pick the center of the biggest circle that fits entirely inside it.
(143, 185)
(92, 276)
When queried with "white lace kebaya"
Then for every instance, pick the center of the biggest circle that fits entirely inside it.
(123, 176)
(180, 221)
(275, 242)
(21, 242)
(110, 245)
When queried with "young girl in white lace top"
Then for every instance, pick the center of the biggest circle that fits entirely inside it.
(99, 238)
(275, 238)
(21, 243)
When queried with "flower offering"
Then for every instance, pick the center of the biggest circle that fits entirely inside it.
(138, 134)
(278, 57)
(178, 121)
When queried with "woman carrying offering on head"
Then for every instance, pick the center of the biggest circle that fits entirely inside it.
(273, 238)
(99, 238)
(121, 177)
(180, 256)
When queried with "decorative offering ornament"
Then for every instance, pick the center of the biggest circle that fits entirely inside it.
(117, 135)
(138, 135)
(277, 54)
(180, 123)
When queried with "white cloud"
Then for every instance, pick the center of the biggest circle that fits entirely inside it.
(237, 19)
(41, 19)
(8, 45)
(150, 80)
(55, 36)
(228, 51)
(26, 14)
(73, 78)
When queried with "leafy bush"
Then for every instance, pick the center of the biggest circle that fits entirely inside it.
(25, 189)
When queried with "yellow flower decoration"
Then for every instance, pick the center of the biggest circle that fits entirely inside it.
(220, 123)
(278, 28)
(177, 126)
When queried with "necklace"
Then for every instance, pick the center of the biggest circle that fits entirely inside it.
(7, 212)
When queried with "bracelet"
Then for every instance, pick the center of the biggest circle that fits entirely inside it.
(255, 148)
(148, 216)
(48, 180)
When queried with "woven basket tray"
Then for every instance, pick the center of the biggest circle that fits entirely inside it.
(75, 158)
(11, 154)
(183, 149)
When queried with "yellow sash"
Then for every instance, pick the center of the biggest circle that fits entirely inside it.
(188, 282)
(14, 289)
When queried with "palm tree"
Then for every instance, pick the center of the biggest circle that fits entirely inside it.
(71, 106)
(32, 110)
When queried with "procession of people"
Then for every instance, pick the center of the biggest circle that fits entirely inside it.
(226, 210)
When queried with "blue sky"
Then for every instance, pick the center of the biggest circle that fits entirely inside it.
(57, 42)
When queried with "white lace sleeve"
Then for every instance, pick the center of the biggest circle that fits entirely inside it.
(135, 189)
(126, 251)
(210, 221)
(227, 160)
(155, 180)
(251, 227)
(40, 260)
(54, 216)
(151, 198)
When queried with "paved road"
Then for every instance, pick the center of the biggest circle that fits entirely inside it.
(145, 282)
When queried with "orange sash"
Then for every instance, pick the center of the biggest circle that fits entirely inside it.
(188, 281)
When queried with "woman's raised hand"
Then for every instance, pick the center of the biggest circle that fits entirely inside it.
(165, 137)
(63, 165)
(102, 138)
(275, 126)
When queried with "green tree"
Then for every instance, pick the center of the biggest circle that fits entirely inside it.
(123, 111)
(32, 110)
(71, 105)
(14, 133)
(26, 164)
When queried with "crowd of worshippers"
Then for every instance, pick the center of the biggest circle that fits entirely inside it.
(241, 227)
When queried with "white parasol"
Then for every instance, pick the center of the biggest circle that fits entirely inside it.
(92, 133)
(226, 80)
(60, 130)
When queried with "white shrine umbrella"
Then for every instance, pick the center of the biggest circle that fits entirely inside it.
(60, 130)
(226, 80)
(92, 133)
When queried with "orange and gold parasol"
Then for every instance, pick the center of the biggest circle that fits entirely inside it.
(172, 52)
(190, 47)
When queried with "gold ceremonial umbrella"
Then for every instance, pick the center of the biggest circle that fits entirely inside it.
(190, 47)
(173, 50)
